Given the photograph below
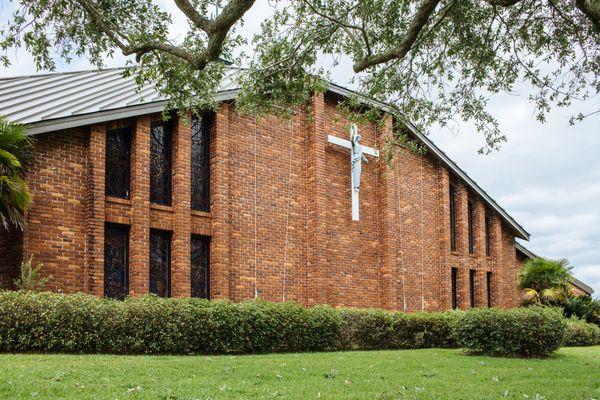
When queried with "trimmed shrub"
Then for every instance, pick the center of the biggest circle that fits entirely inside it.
(521, 332)
(80, 323)
(581, 333)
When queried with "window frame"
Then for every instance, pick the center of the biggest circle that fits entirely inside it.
(454, 287)
(169, 235)
(489, 288)
(206, 240)
(126, 230)
(472, 287)
(107, 175)
(470, 228)
(452, 205)
(204, 133)
(155, 197)
(488, 236)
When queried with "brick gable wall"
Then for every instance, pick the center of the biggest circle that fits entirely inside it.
(280, 219)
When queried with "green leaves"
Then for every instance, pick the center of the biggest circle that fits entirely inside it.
(16, 150)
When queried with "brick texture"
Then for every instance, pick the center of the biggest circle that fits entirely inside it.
(280, 218)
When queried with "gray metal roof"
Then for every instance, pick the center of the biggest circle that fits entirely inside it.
(39, 98)
(49, 102)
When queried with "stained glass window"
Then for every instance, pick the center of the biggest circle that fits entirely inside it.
(472, 286)
(488, 236)
(471, 231)
(452, 218)
(454, 288)
(160, 262)
(118, 161)
(116, 243)
(489, 288)
(200, 266)
(160, 163)
(200, 177)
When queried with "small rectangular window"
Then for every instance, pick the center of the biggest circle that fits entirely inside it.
(160, 262)
(160, 163)
(488, 236)
(200, 266)
(472, 286)
(471, 230)
(200, 174)
(454, 288)
(452, 218)
(118, 163)
(489, 288)
(116, 261)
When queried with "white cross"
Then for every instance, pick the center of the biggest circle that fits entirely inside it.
(356, 158)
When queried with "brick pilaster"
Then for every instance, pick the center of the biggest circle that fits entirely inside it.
(139, 233)
(388, 222)
(317, 267)
(497, 262)
(446, 264)
(96, 210)
(220, 204)
(180, 260)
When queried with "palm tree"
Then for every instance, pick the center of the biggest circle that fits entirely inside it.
(16, 150)
(545, 281)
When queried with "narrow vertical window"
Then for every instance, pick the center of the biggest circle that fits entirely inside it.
(160, 263)
(488, 236)
(454, 288)
(160, 163)
(472, 286)
(200, 174)
(200, 266)
(118, 163)
(452, 218)
(470, 223)
(488, 276)
(116, 261)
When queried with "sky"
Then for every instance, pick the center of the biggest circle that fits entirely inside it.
(547, 176)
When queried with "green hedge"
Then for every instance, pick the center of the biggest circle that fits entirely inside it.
(581, 333)
(524, 332)
(79, 323)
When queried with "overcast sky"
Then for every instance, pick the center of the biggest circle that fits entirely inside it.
(547, 176)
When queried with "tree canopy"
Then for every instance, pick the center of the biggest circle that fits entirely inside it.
(431, 60)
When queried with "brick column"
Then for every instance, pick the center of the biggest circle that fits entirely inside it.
(180, 256)
(446, 261)
(388, 220)
(479, 232)
(497, 262)
(95, 215)
(462, 244)
(220, 205)
(139, 233)
(317, 279)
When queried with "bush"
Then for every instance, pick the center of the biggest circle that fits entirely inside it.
(522, 332)
(80, 323)
(581, 333)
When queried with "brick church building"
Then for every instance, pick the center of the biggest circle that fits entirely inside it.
(229, 206)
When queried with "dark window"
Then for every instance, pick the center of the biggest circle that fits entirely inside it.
(118, 161)
(452, 218)
(488, 236)
(472, 286)
(454, 288)
(200, 266)
(470, 223)
(116, 262)
(160, 263)
(200, 175)
(489, 288)
(160, 163)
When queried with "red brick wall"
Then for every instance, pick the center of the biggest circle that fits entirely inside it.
(280, 217)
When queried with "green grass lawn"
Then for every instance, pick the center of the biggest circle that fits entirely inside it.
(573, 373)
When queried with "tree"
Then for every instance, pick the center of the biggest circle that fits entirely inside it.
(545, 281)
(431, 60)
(15, 151)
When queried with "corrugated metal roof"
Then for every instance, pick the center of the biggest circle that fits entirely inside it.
(36, 98)
(54, 101)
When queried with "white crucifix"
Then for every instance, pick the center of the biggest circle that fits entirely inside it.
(357, 156)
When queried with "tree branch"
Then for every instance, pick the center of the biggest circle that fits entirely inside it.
(188, 9)
(591, 9)
(419, 21)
